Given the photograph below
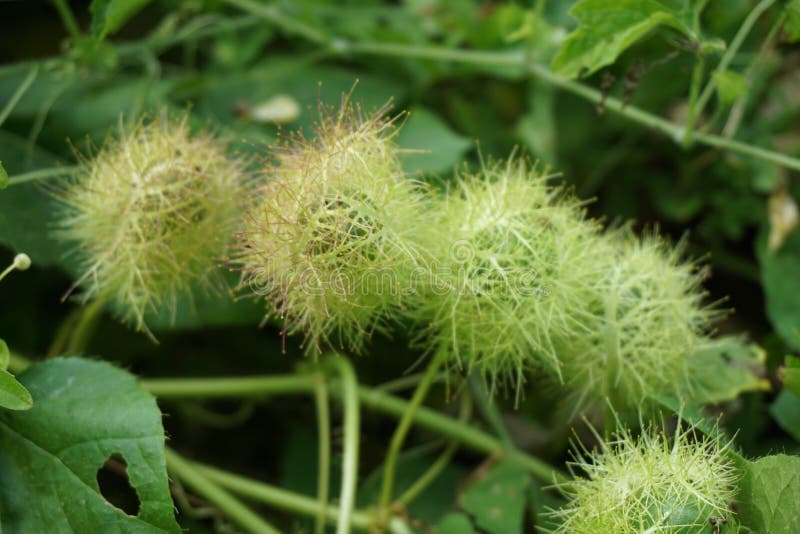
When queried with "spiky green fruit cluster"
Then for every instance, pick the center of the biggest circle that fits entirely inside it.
(646, 321)
(330, 241)
(650, 483)
(513, 262)
(152, 212)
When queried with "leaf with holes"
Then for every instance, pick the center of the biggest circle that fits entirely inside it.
(606, 28)
(84, 413)
(497, 501)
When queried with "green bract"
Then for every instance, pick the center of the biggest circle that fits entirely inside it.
(151, 213)
(330, 242)
(650, 483)
(514, 263)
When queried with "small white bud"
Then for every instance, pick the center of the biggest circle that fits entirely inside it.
(22, 262)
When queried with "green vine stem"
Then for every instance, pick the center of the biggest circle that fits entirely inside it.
(18, 94)
(518, 58)
(68, 18)
(730, 53)
(85, 327)
(324, 438)
(399, 436)
(489, 411)
(278, 497)
(272, 13)
(433, 472)
(253, 386)
(697, 75)
(235, 510)
(352, 416)
(371, 398)
(738, 107)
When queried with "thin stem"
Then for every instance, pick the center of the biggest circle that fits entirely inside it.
(489, 410)
(454, 429)
(697, 76)
(694, 90)
(272, 13)
(42, 174)
(256, 386)
(352, 416)
(399, 436)
(407, 382)
(730, 53)
(8, 270)
(235, 510)
(433, 472)
(68, 18)
(151, 45)
(278, 497)
(371, 398)
(324, 438)
(18, 94)
(738, 108)
(60, 341)
(85, 327)
(513, 58)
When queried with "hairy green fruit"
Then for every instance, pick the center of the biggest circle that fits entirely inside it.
(152, 212)
(330, 241)
(646, 319)
(513, 267)
(650, 483)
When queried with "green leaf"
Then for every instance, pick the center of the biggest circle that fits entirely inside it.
(730, 85)
(497, 502)
(5, 355)
(606, 28)
(4, 181)
(791, 27)
(786, 412)
(13, 395)
(84, 412)
(433, 146)
(725, 369)
(782, 286)
(108, 16)
(455, 524)
(769, 493)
